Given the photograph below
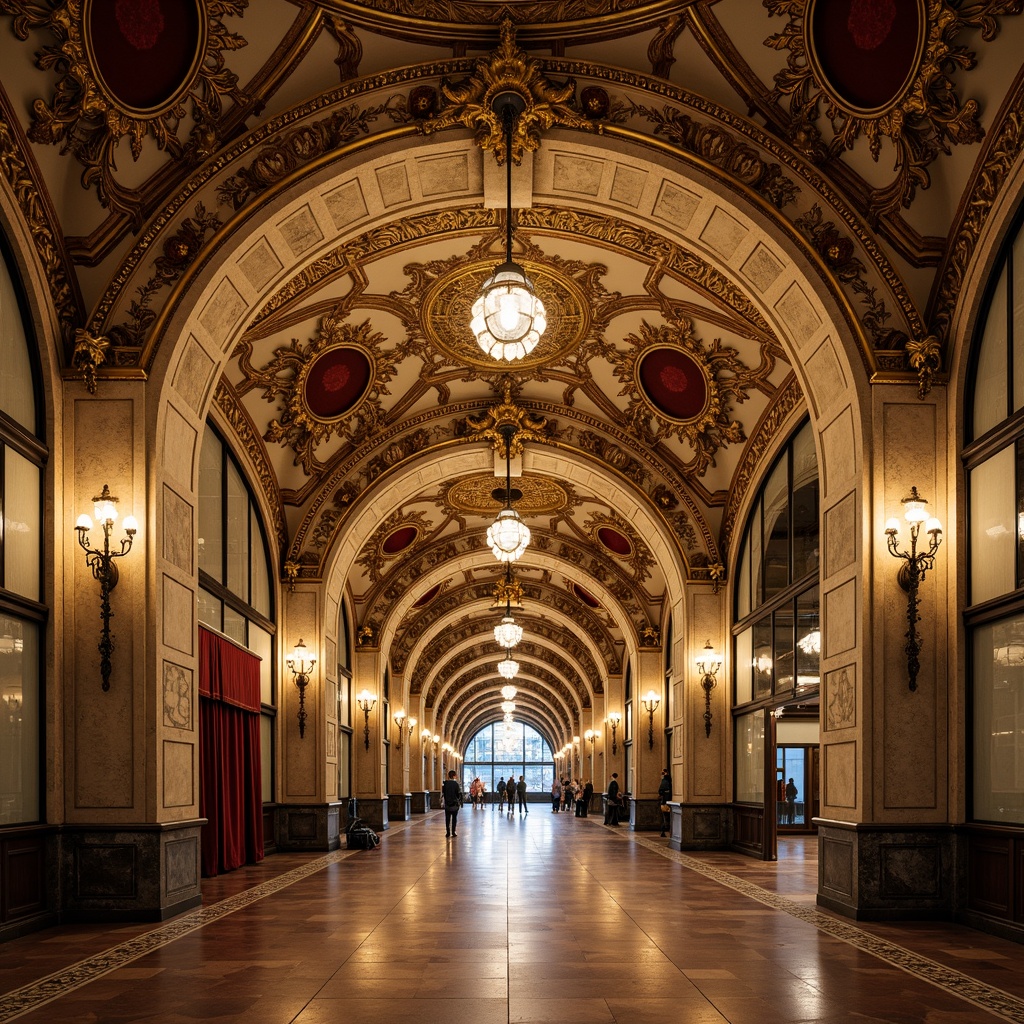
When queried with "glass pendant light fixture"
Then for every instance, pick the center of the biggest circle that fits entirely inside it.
(508, 706)
(509, 692)
(507, 668)
(507, 317)
(508, 633)
(508, 535)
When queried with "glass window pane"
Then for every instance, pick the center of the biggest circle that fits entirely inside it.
(744, 666)
(19, 722)
(783, 658)
(756, 560)
(22, 538)
(267, 757)
(234, 625)
(17, 392)
(805, 505)
(343, 655)
(776, 529)
(993, 527)
(750, 758)
(1017, 321)
(344, 761)
(743, 606)
(344, 701)
(808, 642)
(236, 527)
(209, 610)
(998, 716)
(259, 643)
(211, 511)
(761, 657)
(260, 599)
(990, 378)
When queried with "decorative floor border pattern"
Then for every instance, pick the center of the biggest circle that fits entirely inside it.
(38, 993)
(986, 997)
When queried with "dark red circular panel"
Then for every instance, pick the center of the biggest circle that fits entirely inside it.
(866, 49)
(145, 51)
(614, 541)
(336, 381)
(585, 596)
(428, 596)
(399, 540)
(673, 382)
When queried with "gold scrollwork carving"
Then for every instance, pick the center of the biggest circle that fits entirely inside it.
(921, 120)
(508, 69)
(925, 357)
(487, 426)
(90, 353)
(87, 120)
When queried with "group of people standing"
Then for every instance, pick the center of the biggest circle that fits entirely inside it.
(510, 791)
(567, 794)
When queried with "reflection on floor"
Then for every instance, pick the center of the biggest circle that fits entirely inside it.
(518, 919)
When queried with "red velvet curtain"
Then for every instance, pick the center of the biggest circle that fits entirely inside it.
(230, 794)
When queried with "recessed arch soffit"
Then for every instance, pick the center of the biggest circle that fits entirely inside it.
(538, 681)
(472, 699)
(561, 663)
(478, 599)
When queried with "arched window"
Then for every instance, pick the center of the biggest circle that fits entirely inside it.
(23, 455)
(994, 468)
(234, 577)
(496, 751)
(776, 637)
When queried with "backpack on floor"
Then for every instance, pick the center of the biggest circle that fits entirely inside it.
(361, 836)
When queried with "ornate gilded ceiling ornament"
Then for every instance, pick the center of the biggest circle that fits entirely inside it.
(487, 426)
(366, 635)
(612, 535)
(650, 636)
(925, 356)
(396, 534)
(884, 71)
(331, 386)
(505, 591)
(291, 574)
(508, 70)
(716, 572)
(105, 55)
(90, 353)
(475, 495)
(678, 386)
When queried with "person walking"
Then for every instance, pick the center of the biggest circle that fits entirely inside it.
(451, 793)
(791, 792)
(521, 791)
(501, 793)
(510, 792)
(611, 814)
(556, 795)
(588, 792)
(664, 795)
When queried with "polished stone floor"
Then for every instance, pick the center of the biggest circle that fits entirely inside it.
(538, 918)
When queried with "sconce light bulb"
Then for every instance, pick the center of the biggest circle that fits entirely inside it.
(933, 526)
(412, 724)
(131, 525)
(437, 739)
(83, 522)
(892, 525)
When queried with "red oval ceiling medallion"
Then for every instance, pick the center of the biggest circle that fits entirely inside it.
(867, 51)
(336, 381)
(673, 382)
(615, 542)
(586, 597)
(428, 596)
(399, 540)
(145, 52)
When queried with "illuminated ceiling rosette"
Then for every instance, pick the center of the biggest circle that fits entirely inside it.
(331, 386)
(678, 386)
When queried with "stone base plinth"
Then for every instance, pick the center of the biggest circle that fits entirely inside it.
(129, 873)
(399, 806)
(645, 815)
(309, 826)
(373, 811)
(420, 802)
(700, 826)
(876, 872)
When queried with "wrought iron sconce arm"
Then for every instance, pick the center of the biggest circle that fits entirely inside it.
(650, 702)
(301, 664)
(614, 718)
(104, 567)
(911, 574)
(708, 665)
(366, 703)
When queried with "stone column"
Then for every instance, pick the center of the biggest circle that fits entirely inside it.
(648, 757)
(367, 744)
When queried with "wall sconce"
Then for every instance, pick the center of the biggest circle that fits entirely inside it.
(411, 724)
(436, 739)
(103, 566)
(301, 664)
(614, 720)
(650, 702)
(911, 572)
(367, 702)
(399, 717)
(591, 737)
(708, 665)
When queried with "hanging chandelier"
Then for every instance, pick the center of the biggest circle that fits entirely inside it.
(507, 669)
(508, 535)
(508, 692)
(508, 706)
(507, 317)
(508, 632)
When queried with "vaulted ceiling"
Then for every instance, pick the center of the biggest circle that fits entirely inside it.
(685, 165)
